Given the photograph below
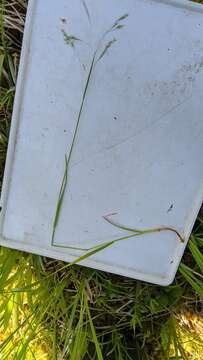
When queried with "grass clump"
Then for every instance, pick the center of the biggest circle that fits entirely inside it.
(50, 310)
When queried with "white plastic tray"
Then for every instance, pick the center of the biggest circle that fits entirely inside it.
(139, 147)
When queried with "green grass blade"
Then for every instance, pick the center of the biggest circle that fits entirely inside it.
(60, 199)
(94, 336)
(144, 231)
(196, 284)
(68, 158)
(2, 57)
(196, 253)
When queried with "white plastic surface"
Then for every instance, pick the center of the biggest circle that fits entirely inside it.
(139, 147)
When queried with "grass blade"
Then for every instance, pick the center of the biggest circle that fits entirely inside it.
(197, 255)
(94, 336)
(196, 284)
(144, 231)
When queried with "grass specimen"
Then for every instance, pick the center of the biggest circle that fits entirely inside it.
(98, 54)
(52, 311)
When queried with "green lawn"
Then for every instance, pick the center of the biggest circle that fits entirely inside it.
(48, 311)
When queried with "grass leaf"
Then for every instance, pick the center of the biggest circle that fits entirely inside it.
(198, 256)
(94, 336)
(196, 284)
